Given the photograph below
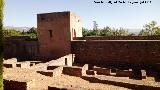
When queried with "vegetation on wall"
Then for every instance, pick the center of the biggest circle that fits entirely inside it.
(1, 44)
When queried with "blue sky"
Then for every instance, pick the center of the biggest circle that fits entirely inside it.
(21, 13)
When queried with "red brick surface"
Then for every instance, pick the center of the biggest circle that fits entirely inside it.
(119, 38)
(104, 52)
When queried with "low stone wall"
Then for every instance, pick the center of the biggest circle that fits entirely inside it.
(12, 60)
(58, 71)
(32, 64)
(84, 69)
(23, 64)
(67, 87)
(56, 88)
(46, 73)
(102, 71)
(123, 73)
(136, 74)
(65, 60)
(129, 84)
(52, 72)
(16, 85)
(52, 67)
(91, 72)
(73, 71)
(13, 63)
(143, 74)
(9, 65)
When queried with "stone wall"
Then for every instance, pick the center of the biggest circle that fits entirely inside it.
(62, 61)
(103, 52)
(17, 84)
(118, 38)
(21, 47)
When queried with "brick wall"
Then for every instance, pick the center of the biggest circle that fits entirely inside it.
(20, 47)
(119, 38)
(103, 52)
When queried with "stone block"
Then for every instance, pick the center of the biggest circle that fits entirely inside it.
(143, 74)
(123, 73)
(56, 72)
(56, 88)
(90, 72)
(113, 70)
(23, 64)
(52, 67)
(73, 71)
(136, 74)
(102, 71)
(66, 87)
(84, 68)
(32, 64)
(18, 65)
(17, 85)
(8, 65)
(12, 60)
(46, 73)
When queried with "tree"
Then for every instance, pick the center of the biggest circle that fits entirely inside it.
(157, 32)
(122, 32)
(11, 32)
(32, 32)
(143, 33)
(85, 32)
(1, 44)
(131, 34)
(106, 31)
(150, 29)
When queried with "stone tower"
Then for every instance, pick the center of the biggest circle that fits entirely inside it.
(55, 32)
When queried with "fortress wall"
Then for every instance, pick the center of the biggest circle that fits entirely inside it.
(20, 47)
(102, 52)
(119, 38)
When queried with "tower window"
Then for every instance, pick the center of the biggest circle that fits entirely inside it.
(50, 33)
(74, 33)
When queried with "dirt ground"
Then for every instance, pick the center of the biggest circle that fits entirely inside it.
(41, 82)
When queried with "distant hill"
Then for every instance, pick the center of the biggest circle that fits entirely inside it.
(18, 28)
(135, 31)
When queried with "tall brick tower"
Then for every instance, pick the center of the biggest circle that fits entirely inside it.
(55, 32)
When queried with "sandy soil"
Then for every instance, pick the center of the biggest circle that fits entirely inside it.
(41, 82)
